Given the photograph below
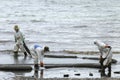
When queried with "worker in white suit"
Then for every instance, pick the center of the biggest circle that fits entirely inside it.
(37, 52)
(105, 56)
(20, 42)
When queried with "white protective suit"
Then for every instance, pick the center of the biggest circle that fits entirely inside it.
(37, 53)
(19, 42)
(104, 52)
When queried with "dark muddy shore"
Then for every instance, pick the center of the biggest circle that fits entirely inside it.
(31, 78)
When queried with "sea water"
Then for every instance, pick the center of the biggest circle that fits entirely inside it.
(61, 24)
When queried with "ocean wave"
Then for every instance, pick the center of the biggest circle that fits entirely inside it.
(6, 32)
(36, 21)
(16, 21)
(6, 41)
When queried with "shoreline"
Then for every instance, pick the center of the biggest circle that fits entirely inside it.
(66, 51)
(31, 78)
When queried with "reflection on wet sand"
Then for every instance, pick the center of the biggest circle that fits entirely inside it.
(17, 61)
(41, 73)
(36, 73)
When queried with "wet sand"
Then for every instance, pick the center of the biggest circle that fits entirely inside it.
(31, 78)
(58, 73)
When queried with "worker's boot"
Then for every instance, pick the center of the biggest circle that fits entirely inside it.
(25, 54)
(36, 66)
(109, 70)
(16, 53)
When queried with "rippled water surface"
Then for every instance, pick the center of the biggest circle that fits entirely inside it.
(61, 24)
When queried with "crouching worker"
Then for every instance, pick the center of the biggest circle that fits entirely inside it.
(19, 42)
(105, 57)
(38, 54)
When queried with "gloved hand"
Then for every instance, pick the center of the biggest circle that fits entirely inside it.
(101, 60)
(109, 47)
(41, 64)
